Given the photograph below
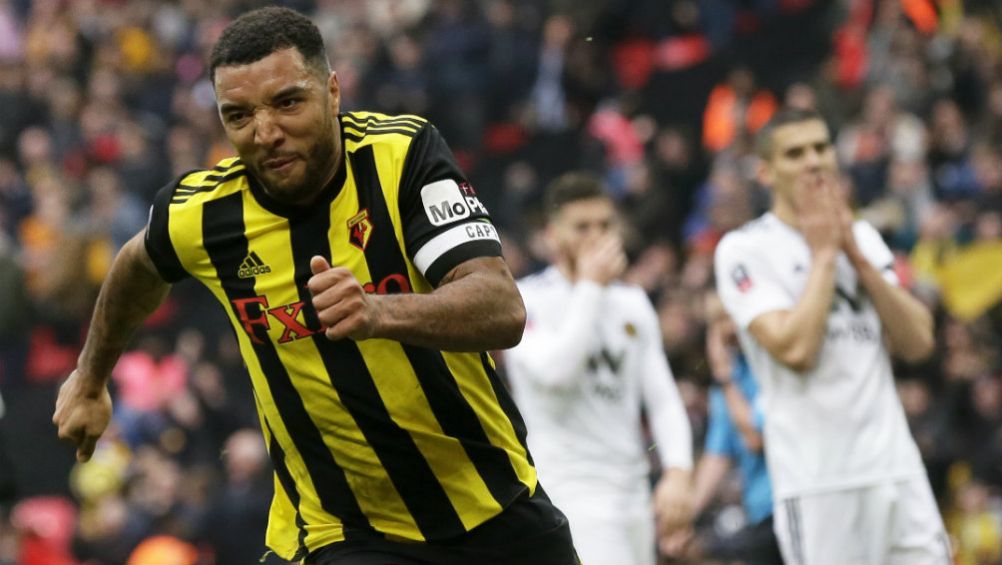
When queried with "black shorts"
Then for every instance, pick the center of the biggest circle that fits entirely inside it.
(530, 530)
(755, 544)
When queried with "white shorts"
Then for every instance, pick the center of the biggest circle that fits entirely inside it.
(608, 527)
(896, 523)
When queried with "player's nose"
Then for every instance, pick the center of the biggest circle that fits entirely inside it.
(267, 132)
(813, 159)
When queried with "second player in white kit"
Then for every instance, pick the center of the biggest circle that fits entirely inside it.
(590, 360)
(817, 304)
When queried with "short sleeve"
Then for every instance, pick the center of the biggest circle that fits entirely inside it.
(157, 239)
(875, 250)
(718, 434)
(747, 285)
(444, 221)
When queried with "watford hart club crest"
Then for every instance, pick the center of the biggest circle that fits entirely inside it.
(359, 229)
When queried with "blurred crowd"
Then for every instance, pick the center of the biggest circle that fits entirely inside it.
(102, 102)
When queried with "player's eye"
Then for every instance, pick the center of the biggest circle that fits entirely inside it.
(795, 152)
(287, 103)
(236, 118)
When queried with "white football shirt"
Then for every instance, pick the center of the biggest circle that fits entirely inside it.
(590, 358)
(841, 424)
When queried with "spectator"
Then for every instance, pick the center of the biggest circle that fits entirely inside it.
(121, 87)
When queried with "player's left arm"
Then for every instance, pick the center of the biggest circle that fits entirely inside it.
(907, 323)
(672, 432)
(475, 305)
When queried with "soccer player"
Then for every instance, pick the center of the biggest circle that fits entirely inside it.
(590, 361)
(819, 310)
(734, 435)
(364, 280)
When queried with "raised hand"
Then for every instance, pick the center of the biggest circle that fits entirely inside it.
(602, 262)
(819, 213)
(343, 306)
(846, 221)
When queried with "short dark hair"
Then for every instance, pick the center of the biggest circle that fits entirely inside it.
(571, 187)
(785, 116)
(259, 33)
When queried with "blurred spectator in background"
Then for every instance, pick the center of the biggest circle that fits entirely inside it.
(44, 525)
(239, 511)
(734, 437)
(8, 484)
(147, 379)
(163, 550)
(121, 87)
(735, 109)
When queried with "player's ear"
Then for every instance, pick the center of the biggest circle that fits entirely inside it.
(764, 173)
(550, 237)
(334, 88)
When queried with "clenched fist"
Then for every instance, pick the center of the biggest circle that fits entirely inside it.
(343, 306)
(82, 414)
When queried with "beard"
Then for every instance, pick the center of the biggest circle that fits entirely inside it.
(319, 162)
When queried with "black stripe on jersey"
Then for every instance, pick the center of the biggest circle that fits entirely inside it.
(289, 486)
(352, 136)
(404, 126)
(157, 239)
(219, 179)
(373, 131)
(372, 118)
(376, 121)
(410, 473)
(226, 243)
(391, 129)
(454, 414)
(185, 192)
(507, 405)
(212, 180)
(223, 169)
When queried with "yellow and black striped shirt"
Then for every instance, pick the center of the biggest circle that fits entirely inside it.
(371, 436)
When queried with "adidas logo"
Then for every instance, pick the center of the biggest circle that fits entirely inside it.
(252, 266)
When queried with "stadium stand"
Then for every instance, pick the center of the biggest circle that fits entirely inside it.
(104, 101)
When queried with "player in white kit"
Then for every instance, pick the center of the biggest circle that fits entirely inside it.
(590, 359)
(819, 309)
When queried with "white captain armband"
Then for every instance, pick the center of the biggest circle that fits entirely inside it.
(455, 245)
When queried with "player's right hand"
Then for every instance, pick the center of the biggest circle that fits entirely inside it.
(678, 544)
(82, 414)
(343, 306)
(819, 212)
(602, 262)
